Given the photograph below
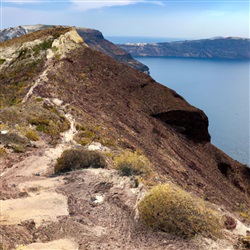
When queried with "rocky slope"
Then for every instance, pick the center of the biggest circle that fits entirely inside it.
(224, 48)
(58, 93)
(93, 38)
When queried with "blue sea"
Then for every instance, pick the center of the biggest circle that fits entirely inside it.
(219, 87)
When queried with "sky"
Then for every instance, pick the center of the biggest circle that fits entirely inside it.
(189, 19)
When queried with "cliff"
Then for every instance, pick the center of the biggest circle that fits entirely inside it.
(59, 94)
(93, 38)
(223, 48)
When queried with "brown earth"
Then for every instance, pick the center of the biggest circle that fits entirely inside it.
(144, 115)
(95, 208)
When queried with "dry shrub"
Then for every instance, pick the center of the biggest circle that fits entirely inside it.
(46, 119)
(73, 159)
(245, 242)
(129, 163)
(14, 141)
(3, 247)
(32, 135)
(3, 153)
(173, 210)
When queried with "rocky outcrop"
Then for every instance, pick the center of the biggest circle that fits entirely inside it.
(93, 38)
(224, 48)
(193, 124)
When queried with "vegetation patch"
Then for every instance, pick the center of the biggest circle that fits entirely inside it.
(131, 163)
(18, 148)
(173, 210)
(44, 118)
(245, 242)
(3, 247)
(50, 123)
(87, 134)
(14, 141)
(84, 135)
(32, 135)
(74, 159)
(17, 79)
(3, 154)
(2, 61)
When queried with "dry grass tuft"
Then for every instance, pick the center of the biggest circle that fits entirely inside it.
(131, 163)
(32, 135)
(173, 210)
(3, 154)
(73, 159)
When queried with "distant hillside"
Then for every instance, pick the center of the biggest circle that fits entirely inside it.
(224, 48)
(93, 38)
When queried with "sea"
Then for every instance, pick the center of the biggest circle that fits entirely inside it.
(218, 87)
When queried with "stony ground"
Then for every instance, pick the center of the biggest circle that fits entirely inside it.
(84, 209)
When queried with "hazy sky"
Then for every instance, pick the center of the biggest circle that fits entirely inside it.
(151, 18)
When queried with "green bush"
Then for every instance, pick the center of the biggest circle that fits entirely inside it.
(129, 163)
(173, 210)
(73, 159)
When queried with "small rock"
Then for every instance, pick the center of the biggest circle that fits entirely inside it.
(4, 132)
(229, 222)
(98, 199)
(97, 146)
(57, 102)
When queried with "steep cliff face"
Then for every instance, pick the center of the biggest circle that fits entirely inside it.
(93, 38)
(224, 48)
(75, 96)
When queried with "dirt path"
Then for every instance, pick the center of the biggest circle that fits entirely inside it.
(40, 163)
(62, 244)
(42, 204)
(41, 207)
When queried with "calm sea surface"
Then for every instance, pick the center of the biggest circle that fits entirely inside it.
(220, 88)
